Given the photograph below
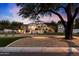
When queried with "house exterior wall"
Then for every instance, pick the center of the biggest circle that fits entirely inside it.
(75, 30)
(39, 28)
(60, 28)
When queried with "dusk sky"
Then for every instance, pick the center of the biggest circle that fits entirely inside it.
(8, 11)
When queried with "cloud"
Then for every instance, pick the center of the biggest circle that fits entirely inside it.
(14, 10)
(51, 18)
(15, 17)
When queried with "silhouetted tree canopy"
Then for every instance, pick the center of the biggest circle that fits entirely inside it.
(4, 24)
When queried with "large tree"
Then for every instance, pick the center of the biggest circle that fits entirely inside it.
(33, 10)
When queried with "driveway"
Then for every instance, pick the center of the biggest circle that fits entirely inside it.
(45, 41)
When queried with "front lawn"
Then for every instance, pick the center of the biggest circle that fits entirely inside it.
(4, 41)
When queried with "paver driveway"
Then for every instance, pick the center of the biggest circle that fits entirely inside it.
(45, 41)
(46, 44)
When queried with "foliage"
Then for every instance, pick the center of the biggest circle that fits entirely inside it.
(16, 25)
(9, 25)
(76, 23)
(4, 24)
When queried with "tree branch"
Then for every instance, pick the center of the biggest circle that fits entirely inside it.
(62, 20)
(75, 14)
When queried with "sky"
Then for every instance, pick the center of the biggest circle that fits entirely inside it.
(9, 11)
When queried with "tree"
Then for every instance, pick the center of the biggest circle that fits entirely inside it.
(4, 24)
(33, 11)
(16, 25)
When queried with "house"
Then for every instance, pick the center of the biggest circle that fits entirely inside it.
(75, 30)
(37, 27)
(9, 31)
(61, 29)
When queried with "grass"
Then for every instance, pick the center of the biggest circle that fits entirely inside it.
(4, 41)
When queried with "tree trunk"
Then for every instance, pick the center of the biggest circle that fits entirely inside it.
(68, 26)
(68, 31)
